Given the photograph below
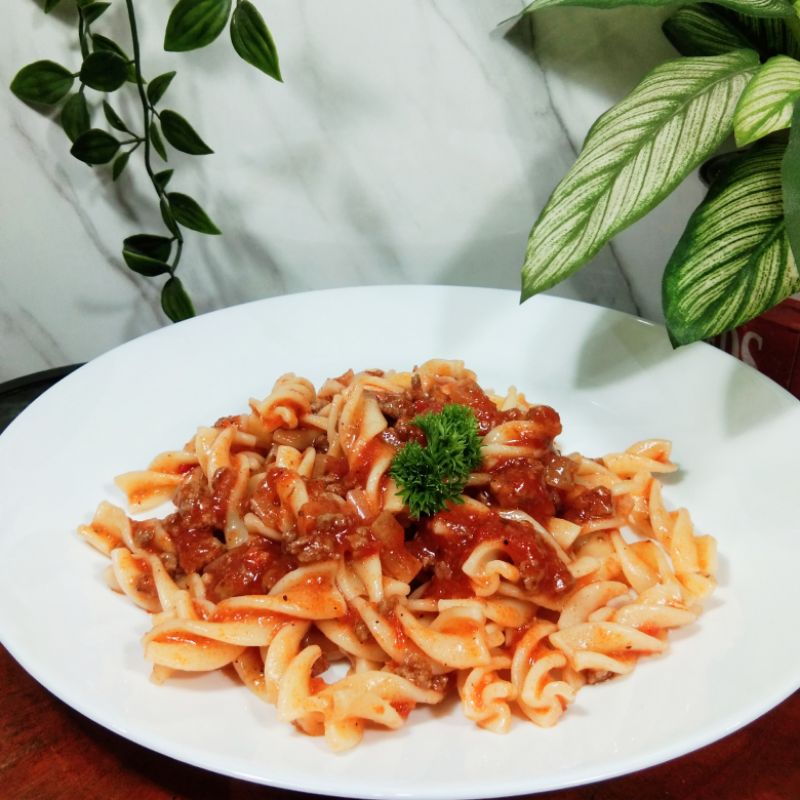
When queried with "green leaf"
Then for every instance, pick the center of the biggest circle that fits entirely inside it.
(700, 30)
(790, 180)
(75, 116)
(148, 244)
(104, 71)
(175, 301)
(195, 23)
(755, 8)
(42, 82)
(633, 157)
(181, 135)
(155, 140)
(162, 178)
(95, 147)
(120, 162)
(189, 214)
(147, 254)
(704, 29)
(114, 120)
(168, 217)
(253, 41)
(770, 37)
(767, 103)
(733, 261)
(157, 87)
(103, 43)
(143, 265)
(92, 11)
(49, 5)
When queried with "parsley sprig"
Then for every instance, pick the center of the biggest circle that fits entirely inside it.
(430, 477)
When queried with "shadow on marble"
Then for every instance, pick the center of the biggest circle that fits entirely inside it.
(572, 42)
(135, 319)
(601, 282)
(257, 266)
(63, 12)
(527, 29)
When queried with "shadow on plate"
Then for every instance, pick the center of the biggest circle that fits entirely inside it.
(751, 401)
(616, 348)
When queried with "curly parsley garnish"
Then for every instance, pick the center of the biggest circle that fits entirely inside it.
(430, 477)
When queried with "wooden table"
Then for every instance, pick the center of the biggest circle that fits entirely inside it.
(50, 752)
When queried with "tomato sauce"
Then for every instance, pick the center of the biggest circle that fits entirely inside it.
(590, 504)
(185, 638)
(252, 568)
(540, 567)
(403, 708)
(519, 483)
(329, 527)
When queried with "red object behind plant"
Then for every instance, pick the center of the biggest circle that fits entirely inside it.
(770, 343)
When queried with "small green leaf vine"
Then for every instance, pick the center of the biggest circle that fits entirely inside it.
(105, 68)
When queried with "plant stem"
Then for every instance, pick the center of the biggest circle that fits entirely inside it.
(82, 31)
(137, 61)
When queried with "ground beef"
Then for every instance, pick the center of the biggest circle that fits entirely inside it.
(590, 504)
(559, 472)
(194, 547)
(194, 501)
(196, 528)
(394, 406)
(143, 533)
(145, 584)
(310, 547)
(417, 669)
(534, 574)
(442, 570)
(597, 676)
(361, 630)
(519, 483)
(388, 604)
(252, 568)
(324, 531)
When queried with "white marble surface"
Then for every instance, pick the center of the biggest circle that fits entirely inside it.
(410, 142)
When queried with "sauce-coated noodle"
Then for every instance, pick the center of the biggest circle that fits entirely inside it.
(290, 548)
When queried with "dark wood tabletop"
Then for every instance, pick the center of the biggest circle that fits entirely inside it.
(48, 751)
(51, 752)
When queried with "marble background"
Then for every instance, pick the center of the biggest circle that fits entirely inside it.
(412, 141)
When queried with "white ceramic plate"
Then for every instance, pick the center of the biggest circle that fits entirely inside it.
(614, 379)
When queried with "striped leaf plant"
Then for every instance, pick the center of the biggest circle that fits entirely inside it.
(739, 73)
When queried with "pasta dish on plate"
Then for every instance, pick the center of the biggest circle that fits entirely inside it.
(393, 538)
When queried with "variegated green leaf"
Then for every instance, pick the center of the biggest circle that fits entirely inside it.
(703, 29)
(790, 180)
(699, 30)
(755, 8)
(767, 102)
(733, 261)
(634, 156)
(770, 37)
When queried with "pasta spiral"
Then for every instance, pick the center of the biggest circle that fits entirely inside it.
(289, 555)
